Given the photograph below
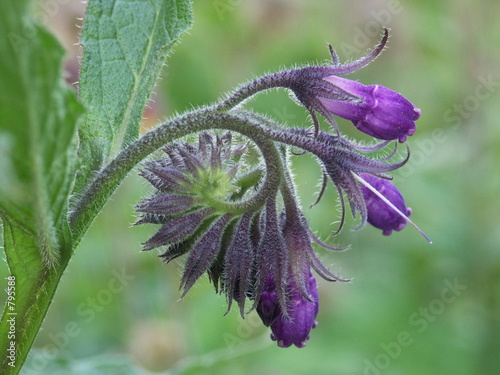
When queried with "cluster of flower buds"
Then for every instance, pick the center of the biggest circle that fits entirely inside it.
(259, 255)
(264, 253)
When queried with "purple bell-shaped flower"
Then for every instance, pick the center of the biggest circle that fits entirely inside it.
(379, 111)
(380, 214)
(292, 328)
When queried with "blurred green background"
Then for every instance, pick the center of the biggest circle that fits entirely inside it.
(411, 308)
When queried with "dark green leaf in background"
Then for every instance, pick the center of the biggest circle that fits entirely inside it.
(38, 115)
(38, 119)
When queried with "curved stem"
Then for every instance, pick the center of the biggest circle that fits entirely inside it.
(324, 146)
(279, 79)
(94, 198)
(288, 190)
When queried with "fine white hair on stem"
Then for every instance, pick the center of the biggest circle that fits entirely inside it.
(386, 201)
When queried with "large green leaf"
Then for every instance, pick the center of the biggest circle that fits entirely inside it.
(38, 115)
(125, 43)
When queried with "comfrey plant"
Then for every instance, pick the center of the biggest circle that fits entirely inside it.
(226, 202)
(250, 236)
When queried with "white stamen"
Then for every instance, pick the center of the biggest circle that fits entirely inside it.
(378, 194)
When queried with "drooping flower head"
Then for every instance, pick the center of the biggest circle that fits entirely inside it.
(245, 228)
(377, 111)
(343, 163)
(295, 328)
(292, 328)
(264, 256)
(291, 323)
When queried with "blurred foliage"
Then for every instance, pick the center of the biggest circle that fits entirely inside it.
(397, 315)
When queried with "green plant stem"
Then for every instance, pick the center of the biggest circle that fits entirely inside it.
(30, 307)
(94, 198)
(280, 79)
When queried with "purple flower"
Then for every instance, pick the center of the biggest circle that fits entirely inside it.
(377, 111)
(291, 317)
(293, 327)
(302, 312)
(343, 162)
(268, 307)
(380, 214)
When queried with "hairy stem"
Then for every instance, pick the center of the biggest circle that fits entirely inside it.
(279, 79)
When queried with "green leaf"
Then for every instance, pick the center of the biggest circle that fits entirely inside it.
(126, 44)
(38, 119)
(38, 114)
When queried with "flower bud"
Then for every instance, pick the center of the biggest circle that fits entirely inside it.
(375, 110)
(294, 327)
(268, 307)
(380, 214)
(378, 111)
